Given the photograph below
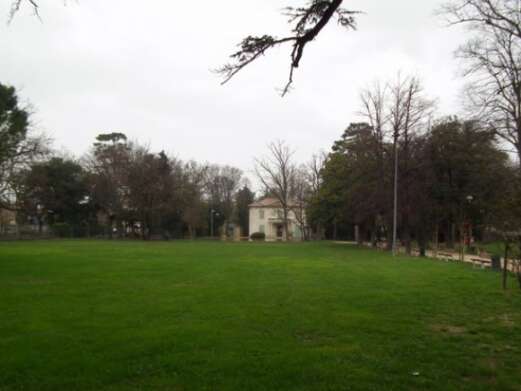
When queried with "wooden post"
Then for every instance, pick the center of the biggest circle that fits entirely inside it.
(505, 265)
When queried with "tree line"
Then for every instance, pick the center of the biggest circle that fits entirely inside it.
(119, 188)
(399, 173)
(452, 177)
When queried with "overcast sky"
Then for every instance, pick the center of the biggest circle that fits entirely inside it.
(144, 68)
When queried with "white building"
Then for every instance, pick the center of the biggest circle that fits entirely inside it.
(266, 216)
(7, 222)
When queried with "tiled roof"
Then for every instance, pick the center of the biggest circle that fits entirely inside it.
(266, 202)
(269, 202)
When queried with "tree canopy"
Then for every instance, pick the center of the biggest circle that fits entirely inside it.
(17, 147)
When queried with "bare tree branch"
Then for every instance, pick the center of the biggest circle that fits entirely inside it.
(15, 7)
(277, 173)
(492, 58)
(309, 22)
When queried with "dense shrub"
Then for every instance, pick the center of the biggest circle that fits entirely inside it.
(61, 230)
(258, 236)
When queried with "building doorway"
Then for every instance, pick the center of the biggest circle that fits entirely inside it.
(280, 231)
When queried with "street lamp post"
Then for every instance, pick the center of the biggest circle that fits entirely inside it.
(395, 200)
(39, 216)
(465, 229)
(211, 222)
(212, 214)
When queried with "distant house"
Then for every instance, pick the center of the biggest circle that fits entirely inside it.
(7, 222)
(266, 216)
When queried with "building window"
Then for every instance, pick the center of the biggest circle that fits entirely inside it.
(261, 228)
(261, 214)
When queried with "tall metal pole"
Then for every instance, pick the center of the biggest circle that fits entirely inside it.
(211, 223)
(395, 209)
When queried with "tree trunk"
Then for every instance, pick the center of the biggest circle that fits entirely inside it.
(462, 242)
(518, 272)
(395, 245)
(451, 235)
(436, 238)
(406, 232)
(40, 225)
(111, 223)
(519, 264)
(143, 231)
(388, 232)
(119, 226)
(422, 243)
(285, 225)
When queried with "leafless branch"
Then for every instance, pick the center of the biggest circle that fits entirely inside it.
(15, 7)
(309, 22)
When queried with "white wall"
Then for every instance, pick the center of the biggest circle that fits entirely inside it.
(256, 222)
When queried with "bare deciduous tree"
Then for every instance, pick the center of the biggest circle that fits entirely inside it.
(409, 109)
(108, 163)
(314, 171)
(222, 184)
(193, 187)
(493, 63)
(276, 172)
(374, 100)
(499, 14)
(19, 147)
(17, 4)
(301, 191)
(395, 111)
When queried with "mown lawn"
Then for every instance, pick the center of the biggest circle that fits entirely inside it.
(211, 316)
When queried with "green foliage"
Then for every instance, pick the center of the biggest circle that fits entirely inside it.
(442, 169)
(109, 164)
(260, 236)
(14, 123)
(250, 316)
(17, 149)
(61, 230)
(356, 180)
(465, 160)
(243, 199)
(498, 249)
(113, 138)
(221, 185)
(56, 190)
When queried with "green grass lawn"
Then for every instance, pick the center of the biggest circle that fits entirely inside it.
(498, 248)
(213, 316)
